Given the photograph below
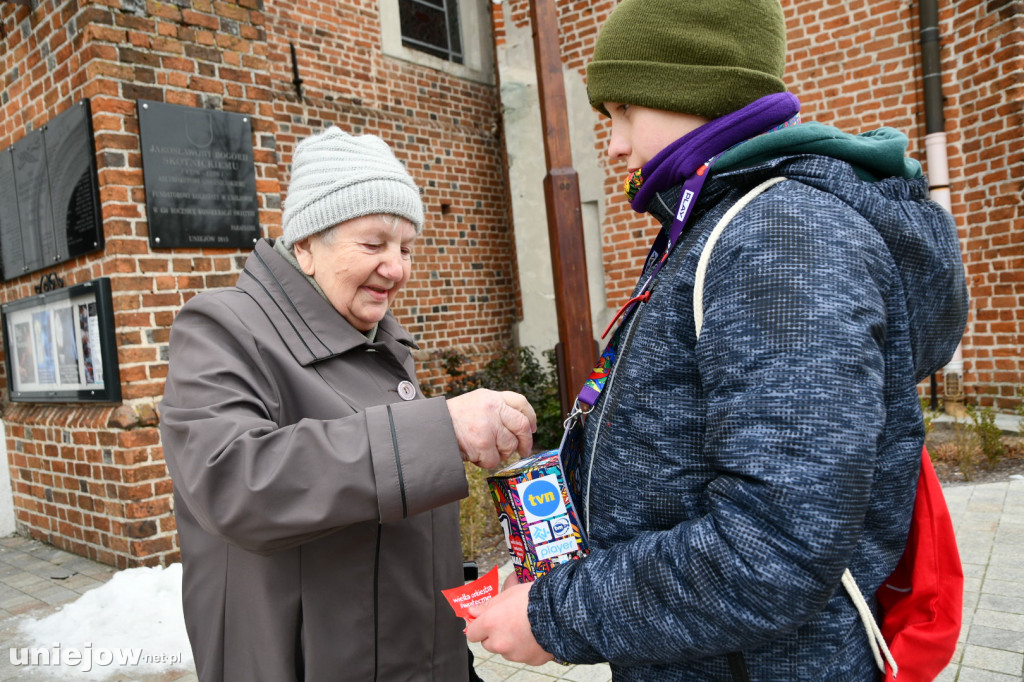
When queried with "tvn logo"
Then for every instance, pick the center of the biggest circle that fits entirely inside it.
(684, 204)
(541, 498)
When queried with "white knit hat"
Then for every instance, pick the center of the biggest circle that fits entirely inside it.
(336, 177)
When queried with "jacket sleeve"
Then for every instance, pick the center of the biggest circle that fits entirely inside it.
(791, 367)
(266, 486)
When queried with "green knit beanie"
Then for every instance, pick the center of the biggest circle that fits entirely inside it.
(701, 57)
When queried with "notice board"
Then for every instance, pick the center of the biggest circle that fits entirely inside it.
(60, 345)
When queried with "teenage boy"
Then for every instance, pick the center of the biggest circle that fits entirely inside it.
(728, 481)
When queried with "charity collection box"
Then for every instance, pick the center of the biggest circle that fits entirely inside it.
(537, 514)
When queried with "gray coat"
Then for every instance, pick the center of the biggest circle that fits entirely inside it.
(316, 507)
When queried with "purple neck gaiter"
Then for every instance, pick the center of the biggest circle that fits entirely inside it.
(682, 158)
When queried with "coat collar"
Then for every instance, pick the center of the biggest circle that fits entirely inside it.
(307, 323)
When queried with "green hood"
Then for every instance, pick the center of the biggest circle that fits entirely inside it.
(874, 155)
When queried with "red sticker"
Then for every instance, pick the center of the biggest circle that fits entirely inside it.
(516, 543)
(472, 594)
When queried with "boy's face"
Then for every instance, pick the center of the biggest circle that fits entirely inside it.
(639, 133)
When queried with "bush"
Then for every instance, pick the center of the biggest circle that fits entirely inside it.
(929, 416)
(988, 435)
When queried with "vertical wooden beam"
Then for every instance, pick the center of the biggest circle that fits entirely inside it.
(562, 197)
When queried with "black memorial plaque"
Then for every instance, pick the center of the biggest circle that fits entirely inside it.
(72, 184)
(10, 221)
(49, 201)
(199, 176)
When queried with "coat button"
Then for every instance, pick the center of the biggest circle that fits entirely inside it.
(406, 391)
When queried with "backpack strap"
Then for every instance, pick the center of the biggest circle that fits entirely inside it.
(875, 639)
(705, 255)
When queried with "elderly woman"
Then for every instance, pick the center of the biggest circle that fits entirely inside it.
(315, 487)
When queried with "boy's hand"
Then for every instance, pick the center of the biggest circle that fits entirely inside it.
(502, 627)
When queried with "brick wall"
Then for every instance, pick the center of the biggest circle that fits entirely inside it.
(986, 97)
(867, 73)
(91, 479)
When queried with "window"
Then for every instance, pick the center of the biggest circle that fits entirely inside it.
(432, 26)
(453, 36)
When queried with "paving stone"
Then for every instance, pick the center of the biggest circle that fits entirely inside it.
(975, 547)
(81, 583)
(999, 602)
(972, 584)
(995, 638)
(22, 581)
(588, 673)
(55, 596)
(973, 570)
(971, 601)
(526, 675)
(1011, 572)
(975, 675)
(551, 668)
(999, 619)
(994, 585)
(494, 671)
(995, 660)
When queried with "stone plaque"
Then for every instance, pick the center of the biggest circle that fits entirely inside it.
(199, 176)
(49, 203)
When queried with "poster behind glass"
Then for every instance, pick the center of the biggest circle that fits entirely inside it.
(60, 346)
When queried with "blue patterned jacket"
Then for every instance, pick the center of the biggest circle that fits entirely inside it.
(730, 481)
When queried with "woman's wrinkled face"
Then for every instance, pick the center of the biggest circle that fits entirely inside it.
(360, 264)
(639, 133)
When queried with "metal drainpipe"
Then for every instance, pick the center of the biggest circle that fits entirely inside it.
(938, 168)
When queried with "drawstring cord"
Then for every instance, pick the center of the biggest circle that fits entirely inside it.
(643, 298)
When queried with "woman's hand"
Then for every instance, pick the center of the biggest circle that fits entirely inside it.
(490, 426)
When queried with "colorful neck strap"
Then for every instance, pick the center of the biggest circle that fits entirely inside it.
(658, 255)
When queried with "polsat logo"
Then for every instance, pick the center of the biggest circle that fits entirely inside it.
(541, 498)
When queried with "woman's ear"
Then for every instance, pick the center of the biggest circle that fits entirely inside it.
(304, 256)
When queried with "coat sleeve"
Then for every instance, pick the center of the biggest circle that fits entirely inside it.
(268, 487)
(791, 368)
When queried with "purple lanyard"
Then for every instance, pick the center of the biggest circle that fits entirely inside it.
(659, 253)
(664, 244)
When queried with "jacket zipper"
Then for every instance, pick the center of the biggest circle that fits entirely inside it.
(604, 408)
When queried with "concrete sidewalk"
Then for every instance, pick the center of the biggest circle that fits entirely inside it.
(36, 580)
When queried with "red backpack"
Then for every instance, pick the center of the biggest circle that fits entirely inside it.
(920, 604)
